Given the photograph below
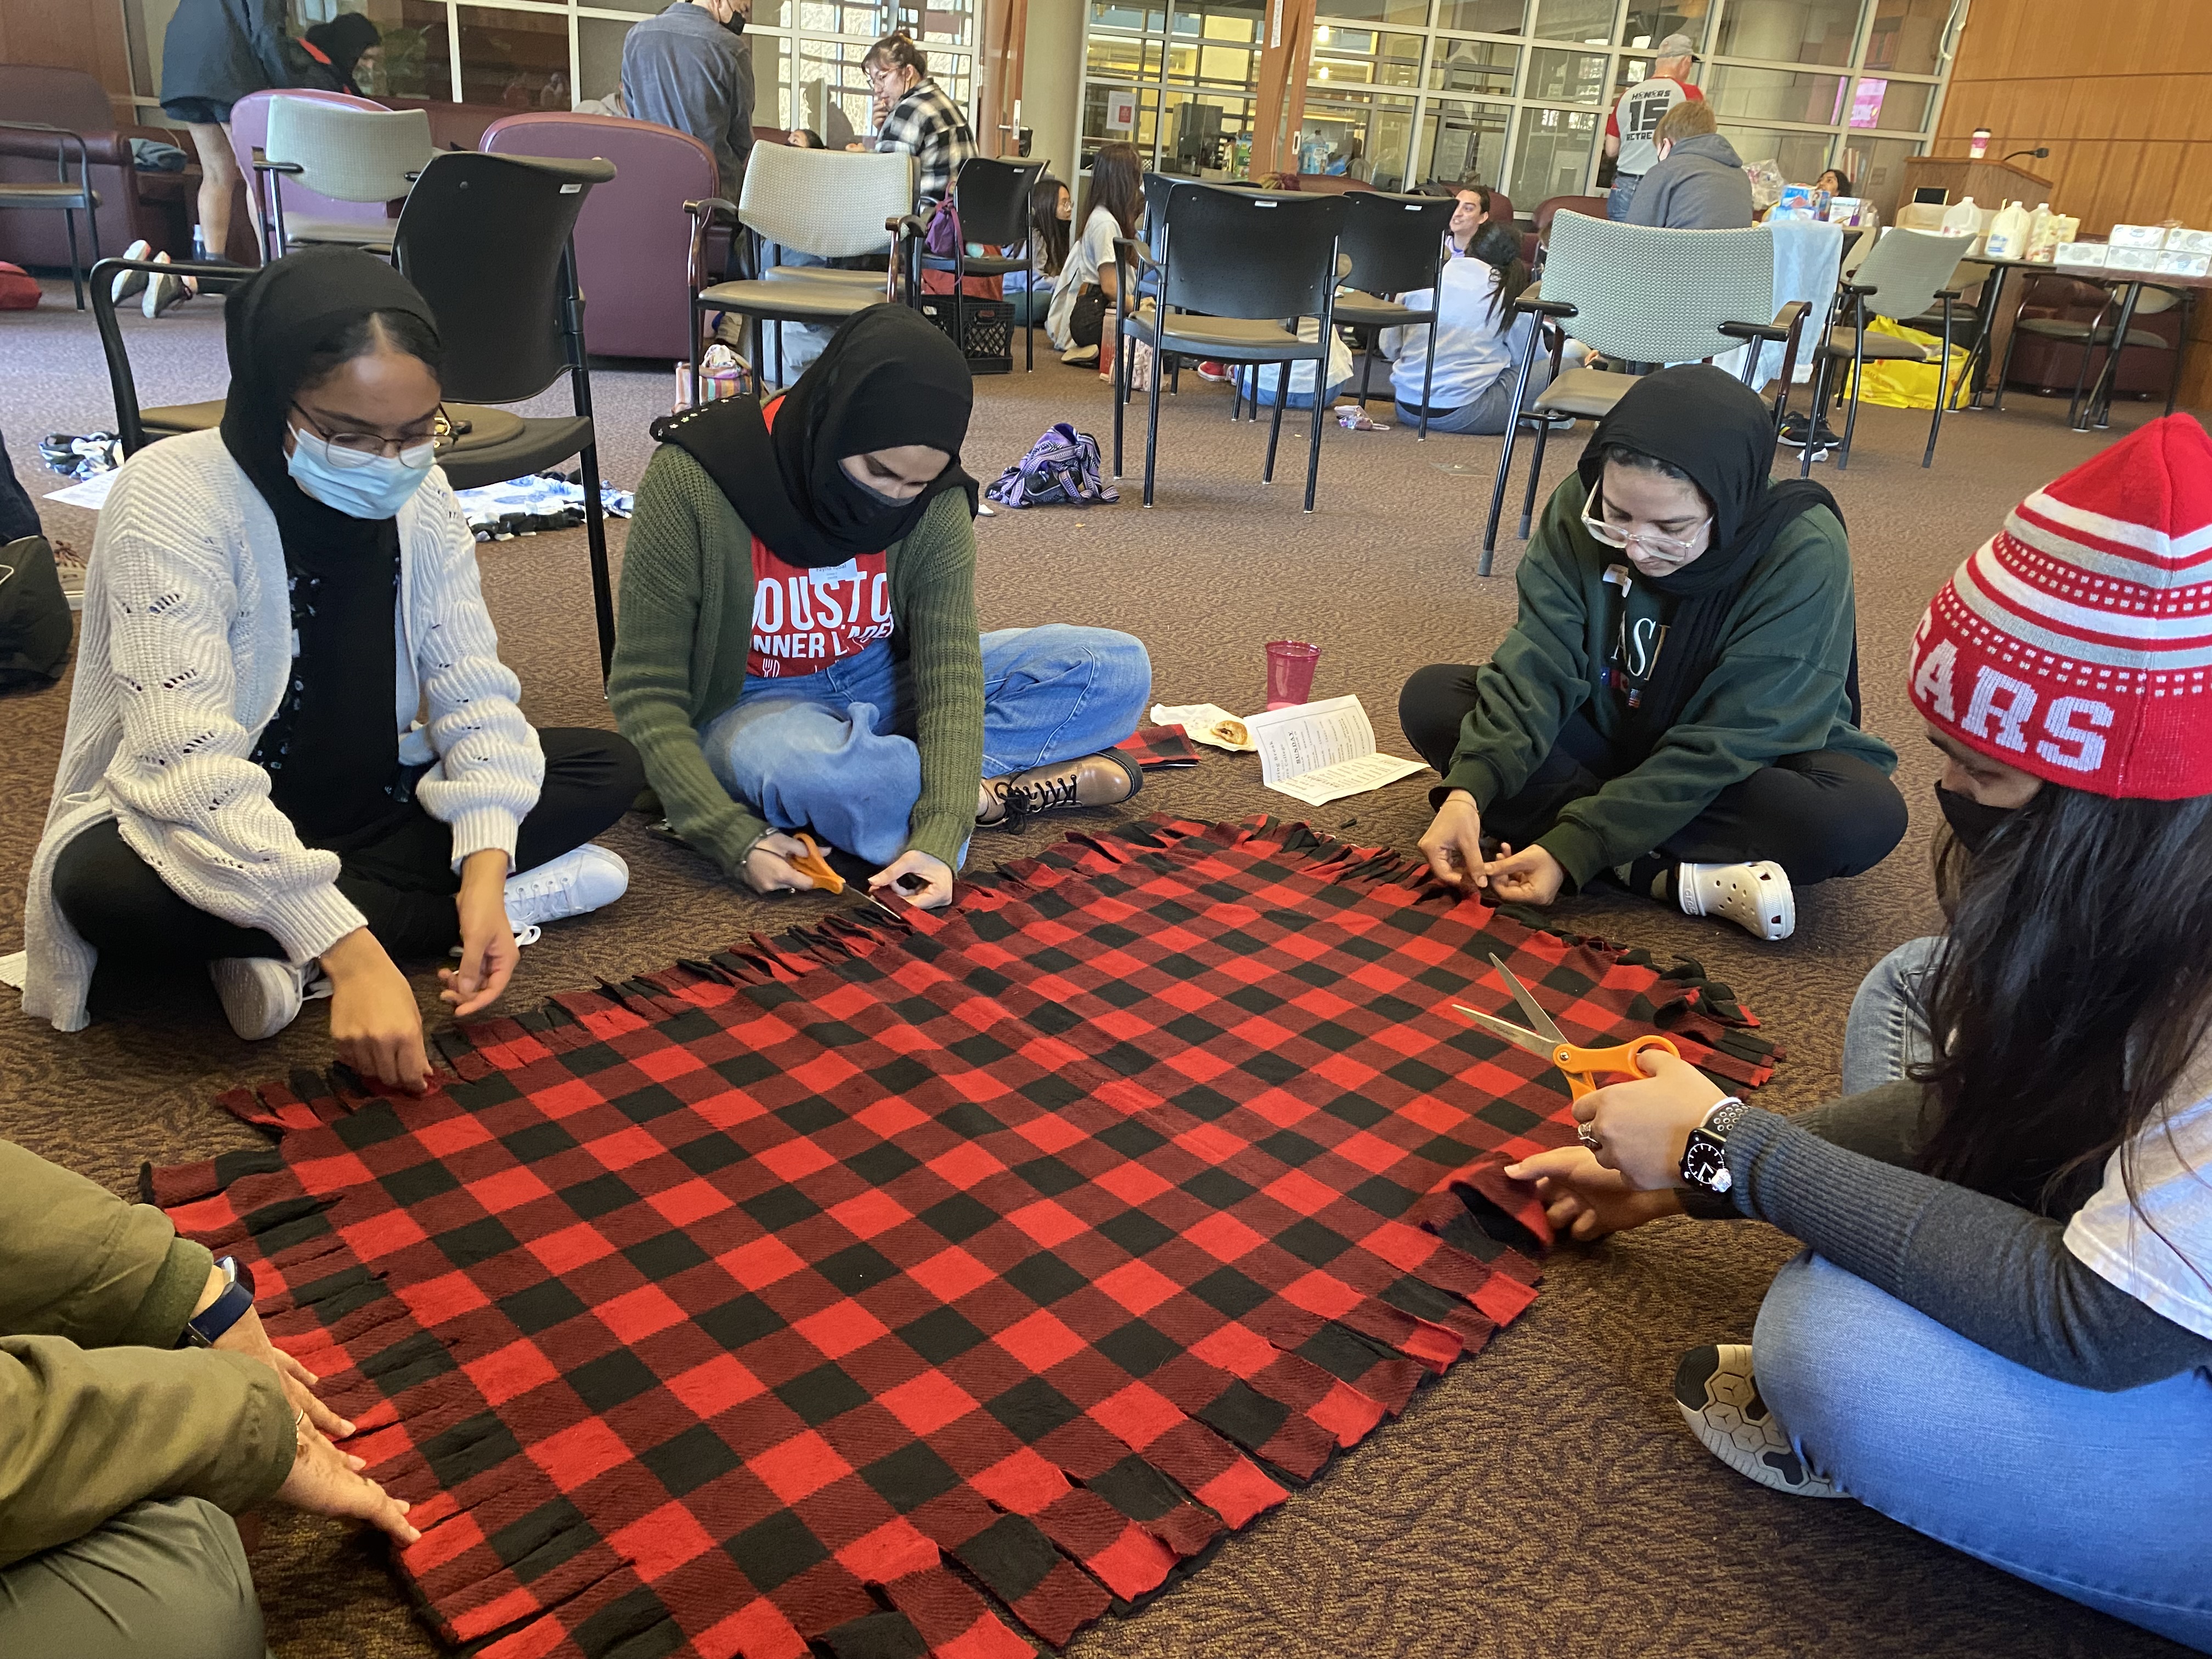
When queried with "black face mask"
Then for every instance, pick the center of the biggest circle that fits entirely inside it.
(849, 506)
(737, 24)
(1971, 821)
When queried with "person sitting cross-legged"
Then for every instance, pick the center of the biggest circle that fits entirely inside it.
(2000, 1331)
(798, 649)
(142, 1406)
(1677, 702)
(293, 753)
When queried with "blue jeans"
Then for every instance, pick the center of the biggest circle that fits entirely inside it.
(1889, 1028)
(833, 750)
(1484, 417)
(2101, 1497)
(1618, 198)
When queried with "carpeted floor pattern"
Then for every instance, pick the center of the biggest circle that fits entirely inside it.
(1547, 1500)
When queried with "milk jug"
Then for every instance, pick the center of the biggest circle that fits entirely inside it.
(2042, 231)
(1962, 217)
(2008, 237)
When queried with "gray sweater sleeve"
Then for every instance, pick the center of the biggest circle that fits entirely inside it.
(1997, 1274)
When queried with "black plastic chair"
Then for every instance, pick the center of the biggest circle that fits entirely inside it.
(1396, 245)
(994, 200)
(488, 240)
(69, 198)
(1234, 266)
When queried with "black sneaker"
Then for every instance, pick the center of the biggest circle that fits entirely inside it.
(1719, 1397)
(1795, 426)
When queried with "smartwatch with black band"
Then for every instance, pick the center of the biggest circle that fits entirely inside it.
(1705, 1160)
(234, 1302)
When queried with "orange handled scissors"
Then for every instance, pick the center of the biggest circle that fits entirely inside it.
(1582, 1066)
(811, 863)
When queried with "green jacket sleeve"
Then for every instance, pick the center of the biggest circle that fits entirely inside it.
(650, 686)
(84, 1434)
(936, 580)
(1774, 691)
(95, 1412)
(1538, 677)
(82, 1265)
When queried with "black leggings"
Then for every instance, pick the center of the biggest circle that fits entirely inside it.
(402, 882)
(1817, 814)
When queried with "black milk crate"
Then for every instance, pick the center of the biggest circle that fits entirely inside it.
(989, 347)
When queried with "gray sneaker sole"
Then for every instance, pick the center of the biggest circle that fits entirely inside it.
(1720, 1401)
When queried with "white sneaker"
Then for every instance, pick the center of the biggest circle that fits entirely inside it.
(1755, 896)
(1079, 355)
(128, 283)
(165, 292)
(1720, 1401)
(261, 995)
(566, 886)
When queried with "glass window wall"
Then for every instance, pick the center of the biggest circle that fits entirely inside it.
(1412, 92)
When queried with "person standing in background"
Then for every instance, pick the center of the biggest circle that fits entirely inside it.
(1698, 182)
(345, 53)
(689, 69)
(215, 52)
(918, 115)
(1630, 129)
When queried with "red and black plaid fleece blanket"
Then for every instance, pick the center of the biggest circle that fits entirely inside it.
(901, 1288)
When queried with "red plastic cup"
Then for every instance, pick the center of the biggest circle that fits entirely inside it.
(1289, 671)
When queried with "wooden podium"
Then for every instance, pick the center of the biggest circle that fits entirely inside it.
(1992, 184)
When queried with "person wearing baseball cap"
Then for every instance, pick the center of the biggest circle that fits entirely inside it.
(1630, 129)
(2001, 1333)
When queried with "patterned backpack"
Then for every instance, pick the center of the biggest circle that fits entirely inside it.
(1063, 467)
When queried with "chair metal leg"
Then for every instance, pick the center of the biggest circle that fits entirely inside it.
(1175, 378)
(1366, 363)
(1943, 389)
(1320, 412)
(1505, 458)
(1536, 472)
(1236, 393)
(1428, 376)
(2004, 369)
(76, 266)
(1121, 395)
(1275, 427)
(1858, 377)
(595, 531)
(1816, 413)
(1152, 430)
(2081, 384)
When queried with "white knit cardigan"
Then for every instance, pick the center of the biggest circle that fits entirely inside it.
(186, 647)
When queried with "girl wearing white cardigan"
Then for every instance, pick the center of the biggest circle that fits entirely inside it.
(293, 752)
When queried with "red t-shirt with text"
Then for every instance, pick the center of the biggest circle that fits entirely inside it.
(804, 619)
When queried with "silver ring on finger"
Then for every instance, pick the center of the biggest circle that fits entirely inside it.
(1584, 1133)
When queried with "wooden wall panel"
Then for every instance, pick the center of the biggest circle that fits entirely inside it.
(86, 35)
(2119, 91)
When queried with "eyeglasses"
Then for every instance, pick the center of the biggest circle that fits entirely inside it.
(359, 448)
(1664, 547)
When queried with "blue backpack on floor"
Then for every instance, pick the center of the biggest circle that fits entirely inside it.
(1063, 468)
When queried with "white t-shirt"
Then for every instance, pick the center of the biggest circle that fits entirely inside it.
(1474, 347)
(1636, 118)
(1092, 253)
(2167, 1263)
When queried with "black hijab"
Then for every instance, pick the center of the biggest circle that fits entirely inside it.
(342, 41)
(888, 378)
(273, 323)
(1704, 422)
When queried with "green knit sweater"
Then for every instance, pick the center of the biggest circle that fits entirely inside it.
(686, 625)
(1778, 687)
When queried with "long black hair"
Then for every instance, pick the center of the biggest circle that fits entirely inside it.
(1499, 246)
(1117, 184)
(2071, 992)
(1047, 230)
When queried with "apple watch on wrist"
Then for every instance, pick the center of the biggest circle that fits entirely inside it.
(233, 1304)
(1705, 1160)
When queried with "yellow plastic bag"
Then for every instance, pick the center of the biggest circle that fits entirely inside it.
(1899, 385)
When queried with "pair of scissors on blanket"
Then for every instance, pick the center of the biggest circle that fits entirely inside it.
(811, 863)
(1582, 1066)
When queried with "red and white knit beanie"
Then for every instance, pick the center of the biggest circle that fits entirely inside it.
(2076, 644)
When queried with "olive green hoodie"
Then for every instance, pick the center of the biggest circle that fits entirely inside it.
(1778, 688)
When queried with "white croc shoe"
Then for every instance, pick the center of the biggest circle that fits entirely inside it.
(1755, 896)
(261, 995)
(566, 886)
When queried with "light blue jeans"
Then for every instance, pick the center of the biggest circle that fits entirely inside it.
(1887, 1031)
(2102, 1498)
(833, 750)
(1486, 416)
(1618, 198)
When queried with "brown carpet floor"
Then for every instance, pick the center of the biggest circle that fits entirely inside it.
(1542, 1499)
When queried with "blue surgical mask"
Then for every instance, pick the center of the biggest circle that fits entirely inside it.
(375, 488)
